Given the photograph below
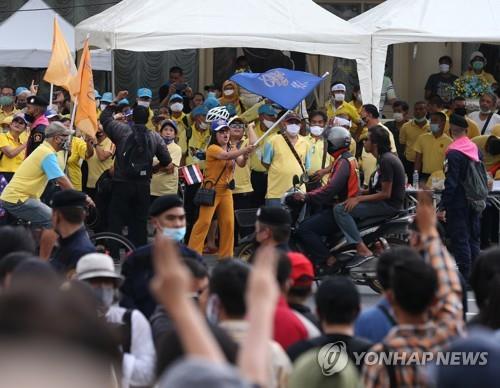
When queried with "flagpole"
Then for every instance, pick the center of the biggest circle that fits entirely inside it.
(72, 122)
(51, 94)
(272, 127)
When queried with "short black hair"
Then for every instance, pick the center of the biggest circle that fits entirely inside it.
(372, 110)
(199, 94)
(459, 98)
(11, 261)
(380, 137)
(197, 268)
(281, 233)
(337, 300)
(318, 113)
(401, 104)
(436, 100)
(446, 58)
(386, 262)
(15, 238)
(176, 69)
(414, 283)
(284, 269)
(228, 282)
(71, 214)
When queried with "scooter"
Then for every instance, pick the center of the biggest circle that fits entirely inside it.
(378, 233)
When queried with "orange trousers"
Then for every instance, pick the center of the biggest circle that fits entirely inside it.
(223, 205)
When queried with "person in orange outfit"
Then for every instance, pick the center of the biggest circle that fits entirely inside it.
(219, 169)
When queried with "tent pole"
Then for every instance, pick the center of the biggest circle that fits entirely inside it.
(113, 85)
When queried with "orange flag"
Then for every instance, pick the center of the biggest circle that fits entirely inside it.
(62, 70)
(86, 112)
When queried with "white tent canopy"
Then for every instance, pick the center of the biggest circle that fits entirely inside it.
(404, 21)
(292, 25)
(28, 38)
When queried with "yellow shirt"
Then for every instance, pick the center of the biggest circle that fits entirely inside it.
(344, 109)
(96, 166)
(488, 159)
(163, 183)
(181, 131)
(149, 124)
(75, 160)
(432, 150)
(409, 134)
(199, 141)
(256, 156)
(10, 164)
(283, 165)
(30, 180)
(4, 115)
(252, 113)
(317, 149)
(215, 166)
(242, 181)
(472, 128)
(486, 76)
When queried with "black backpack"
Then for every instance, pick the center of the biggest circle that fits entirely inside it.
(476, 185)
(137, 155)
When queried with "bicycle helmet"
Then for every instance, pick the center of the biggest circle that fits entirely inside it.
(217, 113)
(338, 137)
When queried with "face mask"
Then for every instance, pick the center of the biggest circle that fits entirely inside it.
(362, 122)
(461, 111)
(398, 117)
(228, 92)
(6, 100)
(177, 107)
(316, 130)
(102, 106)
(268, 124)
(212, 309)
(339, 96)
(478, 65)
(484, 110)
(420, 120)
(293, 129)
(145, 103)
(167, 140)
(435, 128)
(65, 145)
(21, 105)
(106, 296)
(444, 68)
(203, 125)
(176, 234)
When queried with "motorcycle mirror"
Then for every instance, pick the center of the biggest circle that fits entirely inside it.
(296, 180)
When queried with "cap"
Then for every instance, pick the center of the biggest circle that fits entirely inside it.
(164, 203)
(20, 116)
(37, 101)
(174, 97)
(267, 109)
(235, 119)
(201, 110)
(338, 88)
(302, 269)
(57, 128)
(51, 113)
(107, 97)
(273, 216)
(68, 198)
(144, 92)
(458, 120)
(96, 265)
(21, 89)
(97, 95)
(292, 116)
(477, 54)
(341, 122)
(218, 125)
(170, 122)
(123, 101)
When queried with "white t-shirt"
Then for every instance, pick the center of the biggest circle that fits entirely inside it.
(495, 119)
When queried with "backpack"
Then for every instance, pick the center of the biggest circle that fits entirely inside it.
(476, 185)
(137, 156)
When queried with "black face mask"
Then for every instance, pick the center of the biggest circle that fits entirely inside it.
(461, 111)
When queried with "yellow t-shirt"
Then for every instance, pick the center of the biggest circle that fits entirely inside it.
(344, 109)
(10, 164)
(199, 141)
(181, 131)
(488, 159)
(256, 156)
(96, 166)
(486, 76)
(214, 167)
(409, 134)
(163, 183)
(243, 183)
(75, 160)
(283, 165)
(317, 149)
(4, 115)
(30, 180)
(432, 150)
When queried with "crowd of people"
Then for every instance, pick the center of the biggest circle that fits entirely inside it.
(172, 177)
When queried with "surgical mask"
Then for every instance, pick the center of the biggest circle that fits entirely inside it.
(268, 123)
(65, 145)
(105, 295)
(203, 125)
(167, 140)
(485, 110)
(293, 129)
(212, 309)
(478, 65)
(339, 97)
(444, 68)
(316, 130)
(145, 103)
(6, 100)
(362, 122)
(398, 117)
(420, 119)
(229, 92)
(103, 106)
(460, 111)
(177, 107)
(435, 128)
(176, 234)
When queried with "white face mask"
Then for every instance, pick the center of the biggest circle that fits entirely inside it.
(177, 107)
(203, 125)
(444, 68)
(144, 103)
(398, 117)
(103, 106)
(106, 296)
(316, 130)
(228, 92)
(293, 129)
(268, 124)
(339, 96)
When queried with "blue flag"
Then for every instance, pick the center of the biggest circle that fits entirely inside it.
(285, 87)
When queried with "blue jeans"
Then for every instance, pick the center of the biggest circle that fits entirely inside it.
(273, 202)
(347, 221)
(32, 210)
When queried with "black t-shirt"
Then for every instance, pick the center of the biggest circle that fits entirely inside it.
(440, 85)
(390, 169)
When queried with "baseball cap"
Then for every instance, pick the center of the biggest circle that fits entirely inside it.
(97, 95)
(107, 97)
(21, 89)
(20, 116)
(37, 101)
(292, 116)
(302, 269)
(124, 101)
(338, 88)
(477, 54)
(51, 113)
(267, 109)
(218, 125)
(174, 97)
(170, 122)
(144, 92)
(199, 111)
(96, 265)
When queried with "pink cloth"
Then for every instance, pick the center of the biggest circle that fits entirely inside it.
(41, 120)
(466, 147)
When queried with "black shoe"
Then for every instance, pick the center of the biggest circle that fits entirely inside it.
(327, 270)
(357, 260)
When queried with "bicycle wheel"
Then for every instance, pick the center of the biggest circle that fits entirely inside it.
(115, 245)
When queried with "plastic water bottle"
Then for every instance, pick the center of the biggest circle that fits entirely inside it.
(415, 180)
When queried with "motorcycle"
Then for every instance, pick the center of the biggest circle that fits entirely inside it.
(378, 233)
